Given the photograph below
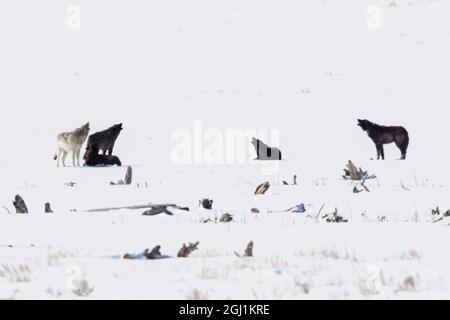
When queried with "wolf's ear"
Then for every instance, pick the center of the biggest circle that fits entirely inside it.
(87, 124)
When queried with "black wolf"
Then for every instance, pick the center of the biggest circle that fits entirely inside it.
(381, 135)
(93, 158)
(264, 152)
(105, 140)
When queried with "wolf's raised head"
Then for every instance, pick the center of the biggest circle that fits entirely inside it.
(114, 131)
(116, 128)
(364, 124)
(83, 130)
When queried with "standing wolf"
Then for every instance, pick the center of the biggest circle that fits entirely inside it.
(71, 142)
(105, 140)
(383, 135)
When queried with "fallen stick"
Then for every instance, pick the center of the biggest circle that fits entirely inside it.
(133, 207)
(439, 219)
(300, 207)
(157, 210)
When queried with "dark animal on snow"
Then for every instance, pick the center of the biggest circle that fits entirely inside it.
(105, 139)
(206, 203)
(381, 135)
(93, 158)
(264, 152)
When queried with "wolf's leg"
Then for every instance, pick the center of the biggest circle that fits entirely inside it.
(58, 155)
(382, 151)
(74, 153)
(378, 151)
(402, 146)
(78, 157)
(403, 157)
(110, 151)
(63, 158)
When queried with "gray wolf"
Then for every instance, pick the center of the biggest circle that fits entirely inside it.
(71, 142)
(381, 135)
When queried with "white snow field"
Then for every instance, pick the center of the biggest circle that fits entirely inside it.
(307, 70)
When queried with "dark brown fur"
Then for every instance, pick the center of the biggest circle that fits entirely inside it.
(264, 152)
(105, 139)
(93, 158)
(381, 135)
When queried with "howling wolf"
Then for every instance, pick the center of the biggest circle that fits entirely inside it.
(105, 140)
(71, 142)
(264, 152)
(383, 135)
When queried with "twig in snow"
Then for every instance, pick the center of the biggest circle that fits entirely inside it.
(320, 210)
(403, 186)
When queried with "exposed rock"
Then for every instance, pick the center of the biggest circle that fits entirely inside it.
(262, 188)
(185, 251)
(47, 208)
(226, 217)
(20, 205)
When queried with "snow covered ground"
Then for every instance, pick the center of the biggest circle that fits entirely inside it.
(302, 70)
